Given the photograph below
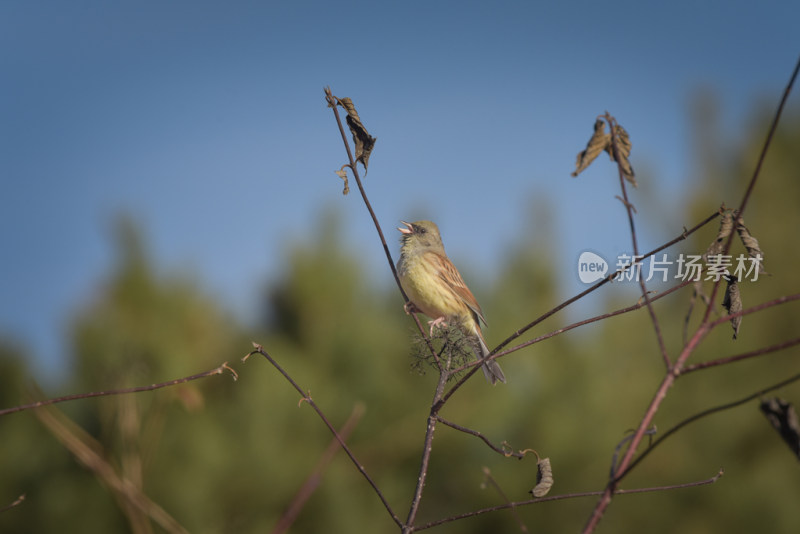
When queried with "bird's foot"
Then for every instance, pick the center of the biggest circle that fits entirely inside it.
(437, 323)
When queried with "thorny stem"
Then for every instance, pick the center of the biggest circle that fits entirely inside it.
(612, 124)
(307, 398)
(701, 332)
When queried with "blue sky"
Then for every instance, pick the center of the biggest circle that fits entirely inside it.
(206, 122)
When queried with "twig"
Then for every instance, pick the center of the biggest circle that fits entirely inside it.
(623, 441)
(505, 451)
(738, 357)
(307, 398)
(640, 304)
(612, 123)
(216, 371)
(539, 500)
(436, 405)
(17, 502)
(314, 479)
(685, 234)
(567, 328)
(764, 305)
(697, 292)
(705, 413)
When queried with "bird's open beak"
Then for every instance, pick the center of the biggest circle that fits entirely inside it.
(408, 230)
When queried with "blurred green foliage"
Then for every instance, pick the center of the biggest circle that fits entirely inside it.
(225, 456)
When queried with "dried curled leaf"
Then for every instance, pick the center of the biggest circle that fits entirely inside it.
(623, 150)
(783, 418)
(599, 141)
(732, 302)
(751, 244)
(544, 478)
(342, 173)
(363, 141)
(725, 229)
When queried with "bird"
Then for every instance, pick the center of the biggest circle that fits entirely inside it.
(434, 287)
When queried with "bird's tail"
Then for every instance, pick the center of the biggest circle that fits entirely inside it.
(491, 369)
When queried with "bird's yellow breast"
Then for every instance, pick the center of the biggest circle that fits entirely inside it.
(424, 287)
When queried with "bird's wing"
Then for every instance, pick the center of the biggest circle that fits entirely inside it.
(452, 279)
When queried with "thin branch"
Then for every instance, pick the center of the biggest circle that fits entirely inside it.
(539, 500)
(333, 103)
(572, 326)
(705, 413)
(685, 234)
(626, 439)
(307, 398)
(314, 479)
(640, 304)
(764, 305)
(738, 357)
(629, 208)
(505, 451)
(436, 405)
(216, 371)
(697, 292)
(17, 502)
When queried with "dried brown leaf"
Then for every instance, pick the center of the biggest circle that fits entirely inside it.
(732, 302)
(544, 478)
(623, 150)
(725, 229)
(342, 173)
(599, 141)
(783, 418)
(363, 141)
(751, 244)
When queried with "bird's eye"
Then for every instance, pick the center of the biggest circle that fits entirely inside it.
(421, 230)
